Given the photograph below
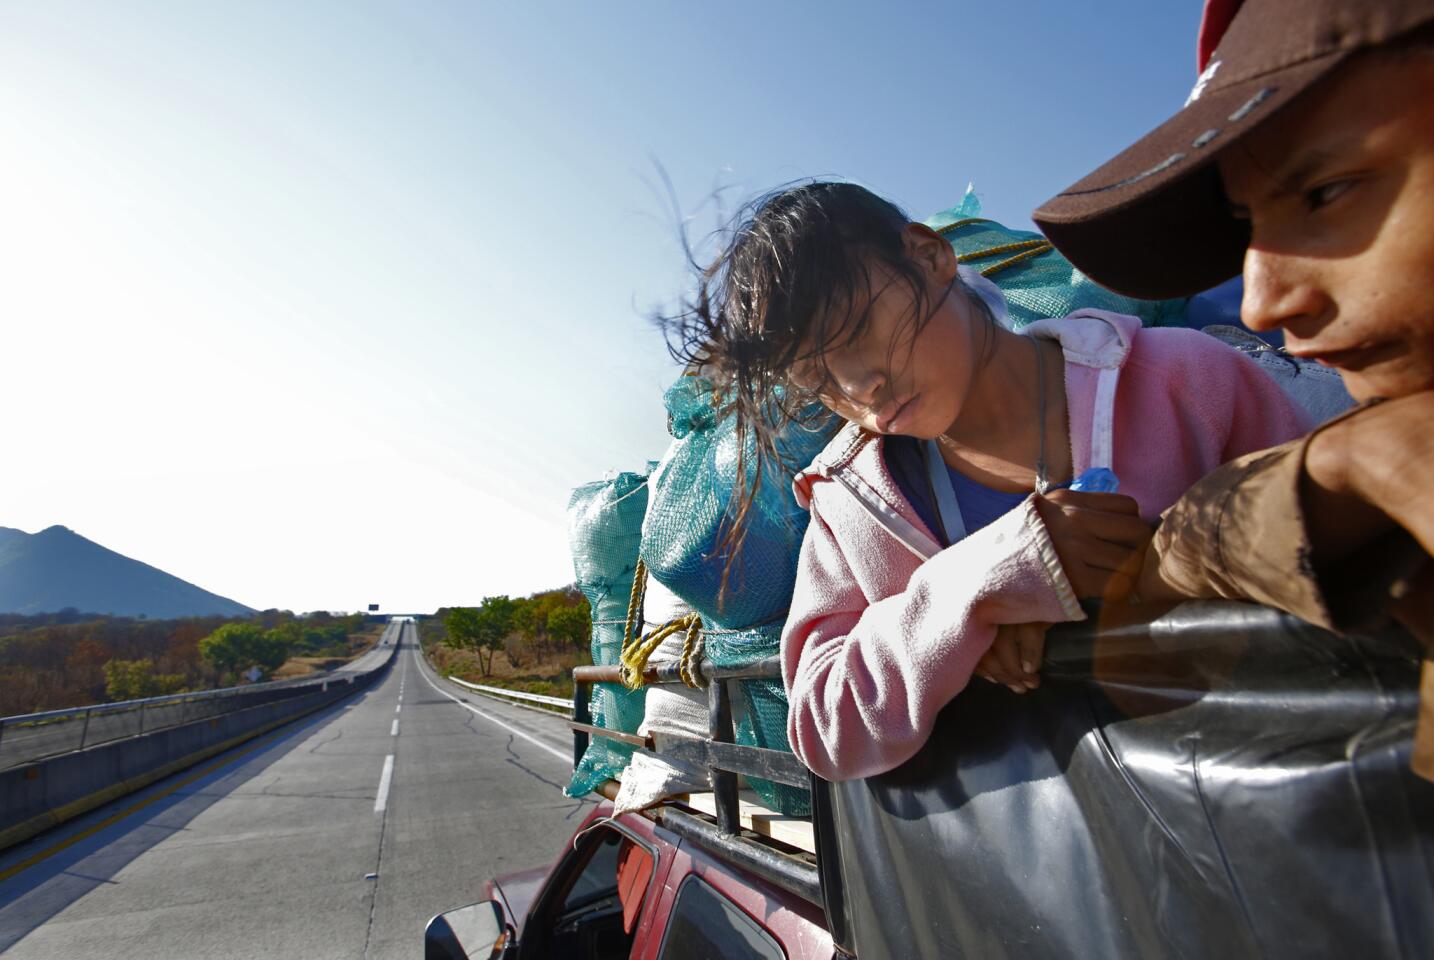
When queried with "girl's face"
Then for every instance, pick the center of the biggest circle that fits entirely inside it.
(893, 378)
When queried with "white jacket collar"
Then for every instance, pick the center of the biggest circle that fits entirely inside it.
(1091, 338)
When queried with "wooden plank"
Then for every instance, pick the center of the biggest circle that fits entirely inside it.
(796, 831)
(617, 735)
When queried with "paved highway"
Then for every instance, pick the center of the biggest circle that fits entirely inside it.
(335, 836)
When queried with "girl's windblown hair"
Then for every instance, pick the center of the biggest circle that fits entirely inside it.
(794, 279)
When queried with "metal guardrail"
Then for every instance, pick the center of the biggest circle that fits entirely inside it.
(35, 736)
(559, 702)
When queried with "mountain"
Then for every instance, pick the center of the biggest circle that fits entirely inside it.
(57, 568)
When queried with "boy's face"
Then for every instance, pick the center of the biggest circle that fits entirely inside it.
(1339, 191)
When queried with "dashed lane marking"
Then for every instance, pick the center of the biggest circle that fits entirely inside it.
(385, 781)
(394, 731)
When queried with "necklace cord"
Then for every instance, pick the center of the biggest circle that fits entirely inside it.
(1042, 481)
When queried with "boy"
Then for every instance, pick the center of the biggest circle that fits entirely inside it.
(1306, 151)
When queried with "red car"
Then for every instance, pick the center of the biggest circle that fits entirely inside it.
(631, 888)
(1221, 780)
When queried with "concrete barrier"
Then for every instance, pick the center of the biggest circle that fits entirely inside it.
(39, 795)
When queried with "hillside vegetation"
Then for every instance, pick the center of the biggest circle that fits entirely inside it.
(526, 643)
(69, 659)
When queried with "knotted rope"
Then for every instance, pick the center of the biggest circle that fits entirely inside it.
(637, 649)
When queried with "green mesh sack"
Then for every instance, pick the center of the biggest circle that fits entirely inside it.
(690, 494)
(604, 530)
(759, 714)
(1037, 281)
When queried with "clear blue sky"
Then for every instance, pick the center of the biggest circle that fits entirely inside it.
(323, 303)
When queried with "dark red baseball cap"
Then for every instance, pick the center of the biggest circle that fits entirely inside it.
(1153, 222)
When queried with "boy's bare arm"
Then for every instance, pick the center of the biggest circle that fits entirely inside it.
(1368, 472)
(1265, 526)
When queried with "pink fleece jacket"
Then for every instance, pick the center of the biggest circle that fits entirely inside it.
(886, 627)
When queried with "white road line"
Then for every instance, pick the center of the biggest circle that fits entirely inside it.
(565, 757)
(385, 781)
(398, 709)
(394, 731)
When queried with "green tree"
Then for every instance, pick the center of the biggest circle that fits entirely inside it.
(225, 647)
(519, 642)
(495, 618)
(129, 679)
(482, 629)
(571, 625)
(238, 646)
(461, 628)
(136, 679)
(293, 633)
(272, 649)
(533, 619)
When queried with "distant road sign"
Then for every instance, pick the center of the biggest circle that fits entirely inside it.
(372, 607)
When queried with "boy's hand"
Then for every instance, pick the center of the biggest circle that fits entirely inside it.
(1099, 538)
(1014, 658)
(1376, 462)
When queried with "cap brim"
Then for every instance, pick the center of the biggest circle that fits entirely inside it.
(1154, 223)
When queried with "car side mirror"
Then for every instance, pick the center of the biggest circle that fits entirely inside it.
(474, 932)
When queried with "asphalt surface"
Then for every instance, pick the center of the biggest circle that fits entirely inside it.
(338, 835)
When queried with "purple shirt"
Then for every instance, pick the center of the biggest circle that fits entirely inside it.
(979, 503)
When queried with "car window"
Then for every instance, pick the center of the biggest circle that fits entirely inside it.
(600, 910)
(706, 924)
(599, 876)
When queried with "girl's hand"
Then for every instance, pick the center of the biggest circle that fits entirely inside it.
(1014, 658)
(1099, 538)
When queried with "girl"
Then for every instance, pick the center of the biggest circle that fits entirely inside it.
(937, 522)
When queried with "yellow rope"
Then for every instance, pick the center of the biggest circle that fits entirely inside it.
(634, 659)
(634, 606)
(1003, 248)
(1024, 249)
(635, 656)
(692, 655)
(637, 649)
(1042, 247)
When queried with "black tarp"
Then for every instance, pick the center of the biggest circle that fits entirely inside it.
(1224, 781)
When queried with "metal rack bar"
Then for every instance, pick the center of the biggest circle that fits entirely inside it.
(724, 782)
(767, 669)
(791, 873)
